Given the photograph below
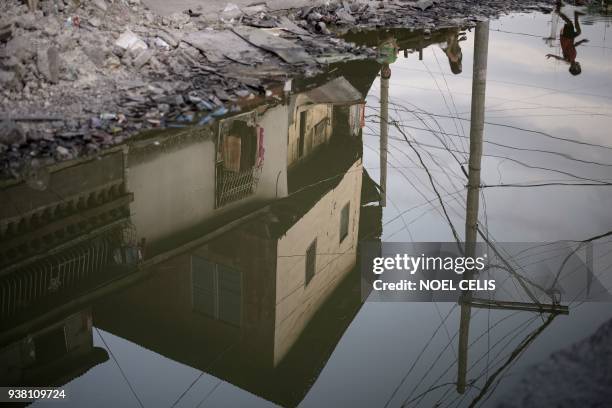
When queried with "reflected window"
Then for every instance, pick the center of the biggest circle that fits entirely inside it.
(311, 262)
(217, 290)
(344, 222)
(240, 156)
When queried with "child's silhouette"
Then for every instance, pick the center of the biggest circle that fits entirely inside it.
(567, 38)
(453, 50)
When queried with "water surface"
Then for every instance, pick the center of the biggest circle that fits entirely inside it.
(217, 266)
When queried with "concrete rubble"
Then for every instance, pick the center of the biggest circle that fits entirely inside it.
(76, 77)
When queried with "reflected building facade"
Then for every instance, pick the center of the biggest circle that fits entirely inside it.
(262, 304)
(231, 248)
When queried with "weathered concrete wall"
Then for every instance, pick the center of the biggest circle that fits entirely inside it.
(273, 178)
(182, 194)
(295, 302)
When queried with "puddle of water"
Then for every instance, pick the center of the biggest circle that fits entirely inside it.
(217, 266)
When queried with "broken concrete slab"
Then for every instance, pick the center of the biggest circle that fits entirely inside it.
(95, 22)
(291, 27)
(275, 5)
(6, 33)
(20, 48)
(230, 13)
(423, 4)
(218, 46)
(252, 10)
(27, 21)
(51, 27)
(130, 41)
(9, 80)
(177, 20)
(11, 133)
(12, 64)
(345, 16)
(171, 38)
(101, 4)
(287, 50)
(47, 62)
(161, 44)
(96, 53)
(143, 58)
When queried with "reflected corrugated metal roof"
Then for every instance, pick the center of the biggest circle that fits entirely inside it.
(338, 92)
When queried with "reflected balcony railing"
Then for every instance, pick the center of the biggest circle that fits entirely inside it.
(68, 272)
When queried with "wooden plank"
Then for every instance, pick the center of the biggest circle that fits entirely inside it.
(507, 305)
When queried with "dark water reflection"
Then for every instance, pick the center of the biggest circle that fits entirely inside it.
(217, 266)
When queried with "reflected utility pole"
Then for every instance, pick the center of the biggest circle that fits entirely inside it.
(467, 301)
(479, 82)
(385, 74)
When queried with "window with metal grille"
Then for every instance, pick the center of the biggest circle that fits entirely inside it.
(235, 186)
(344, 222)
(217, 290)
(311, 262)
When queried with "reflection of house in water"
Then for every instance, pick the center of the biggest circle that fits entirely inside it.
(197, 180)
(56, 243)
(76, 224)
(73, 233)
(248, 230)
(312, 113)
(406, 40)
(263, 305)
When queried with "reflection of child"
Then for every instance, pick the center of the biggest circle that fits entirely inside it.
(387, 51)
(569, 32)
(386, 55)
(453, 52)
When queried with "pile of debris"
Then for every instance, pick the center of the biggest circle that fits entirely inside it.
(577, 376)
(75, 78)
